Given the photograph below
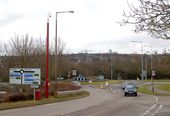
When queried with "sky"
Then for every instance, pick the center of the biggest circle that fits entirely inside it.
(93, 27)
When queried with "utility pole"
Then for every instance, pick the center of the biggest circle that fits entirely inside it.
(56, 49)
(141, 57)
(111, 65)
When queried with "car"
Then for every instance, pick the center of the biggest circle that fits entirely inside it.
(123, 85)
(130, 89)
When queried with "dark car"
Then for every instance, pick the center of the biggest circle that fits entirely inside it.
(123, 85)
(130, 89)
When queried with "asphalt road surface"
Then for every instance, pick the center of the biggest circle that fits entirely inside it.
(101, 102)
(142, 105)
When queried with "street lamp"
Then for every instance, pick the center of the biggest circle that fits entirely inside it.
(141, 57)
(152, 76)
(111, 73)
(146, 64)
(55, 66)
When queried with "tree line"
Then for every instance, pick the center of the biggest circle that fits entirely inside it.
(27, 52)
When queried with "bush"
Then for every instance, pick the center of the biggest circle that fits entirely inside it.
(2, 98)
(19, 97)
(65, 86)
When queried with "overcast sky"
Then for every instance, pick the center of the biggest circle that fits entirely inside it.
(93, 25)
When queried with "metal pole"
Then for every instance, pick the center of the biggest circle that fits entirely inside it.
(56, 42)
(34, 93)
(141, 59)
(111, 66)
(152, 78)
(151, 59)
(55, 65)
(47, 56)
(146, 66)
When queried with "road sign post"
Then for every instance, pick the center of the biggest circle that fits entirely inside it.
(152, 78)
(34, 86)
(24, 76)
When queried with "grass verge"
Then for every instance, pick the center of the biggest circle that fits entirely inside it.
(160, 80)
(164, 87)
(102, 82)
(144, 89)
(51, 99)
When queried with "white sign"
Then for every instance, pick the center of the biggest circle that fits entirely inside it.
(24, 75)
(74, 72)
(153, 73)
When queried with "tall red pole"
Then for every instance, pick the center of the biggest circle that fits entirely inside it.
(47, 55)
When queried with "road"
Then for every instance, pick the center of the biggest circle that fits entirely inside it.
(142, 105)
(101, 102)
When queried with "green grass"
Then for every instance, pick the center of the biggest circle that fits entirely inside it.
(51, 99)
(164, 87)
(102, 82)
(145, 90)
(160, 80)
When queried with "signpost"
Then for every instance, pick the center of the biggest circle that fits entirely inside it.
(152, 78)
(153, 73)
(24, 76)
(74, 72)
(27, 76)
(34, 85)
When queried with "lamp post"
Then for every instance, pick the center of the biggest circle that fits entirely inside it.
(55, 65)
(141, 57)
(111, 73)
(146, 65)
(152, 75)
(47, 55)
(152, 71)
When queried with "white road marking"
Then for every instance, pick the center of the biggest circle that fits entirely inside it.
(152, 107)
(160, 107)
(155, 98)
(146, 112)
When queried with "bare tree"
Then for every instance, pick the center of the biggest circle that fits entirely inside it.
(60, 49)
(1, 49)
(20, 49)
(151, 16)
(61, 46)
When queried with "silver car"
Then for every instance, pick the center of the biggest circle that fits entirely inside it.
(130, 89)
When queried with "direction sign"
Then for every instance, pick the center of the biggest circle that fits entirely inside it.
(24, 75)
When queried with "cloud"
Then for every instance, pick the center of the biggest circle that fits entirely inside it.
(93, 25)
(9, 18)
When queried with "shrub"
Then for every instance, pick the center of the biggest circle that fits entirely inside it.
(19, 97)
(65, 86)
